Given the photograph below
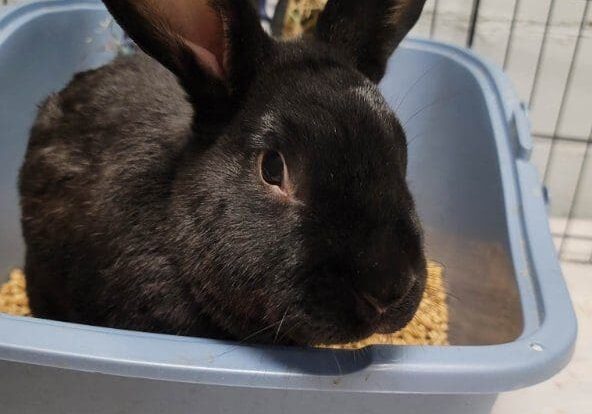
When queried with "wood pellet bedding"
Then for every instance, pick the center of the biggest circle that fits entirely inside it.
(429, 327)
(13, 295)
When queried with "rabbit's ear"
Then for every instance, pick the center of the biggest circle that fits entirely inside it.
(212, 46)
(368, 31)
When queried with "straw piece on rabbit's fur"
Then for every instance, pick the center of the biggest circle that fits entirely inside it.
(301, 16)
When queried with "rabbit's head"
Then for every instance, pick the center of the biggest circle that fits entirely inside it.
(292, 217)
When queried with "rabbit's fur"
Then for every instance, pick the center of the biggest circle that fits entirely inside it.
(143, 202)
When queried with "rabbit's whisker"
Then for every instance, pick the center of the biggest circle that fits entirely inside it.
(419, 79)
(337, 363)
(280, 326)
(435, 102)
(260, 331)
(251, 336)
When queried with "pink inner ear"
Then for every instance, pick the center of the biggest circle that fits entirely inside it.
(203, 30)
(208, 60)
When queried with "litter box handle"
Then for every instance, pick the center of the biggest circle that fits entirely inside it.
(520, 128)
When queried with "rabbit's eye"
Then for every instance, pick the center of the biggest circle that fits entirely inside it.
(272, 168)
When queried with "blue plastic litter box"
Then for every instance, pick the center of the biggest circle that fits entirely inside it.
(512, 323)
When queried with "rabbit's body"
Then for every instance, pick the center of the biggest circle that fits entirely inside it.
(258, 194)
(103, 197)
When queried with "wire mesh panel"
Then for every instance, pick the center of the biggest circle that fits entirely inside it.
(548, 52)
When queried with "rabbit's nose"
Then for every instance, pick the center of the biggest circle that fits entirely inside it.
(370, 308)
(382, 282)
(374, 303)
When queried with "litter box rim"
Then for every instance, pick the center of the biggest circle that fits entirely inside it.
(543, 349)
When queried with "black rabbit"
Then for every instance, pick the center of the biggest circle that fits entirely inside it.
(230, 185)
